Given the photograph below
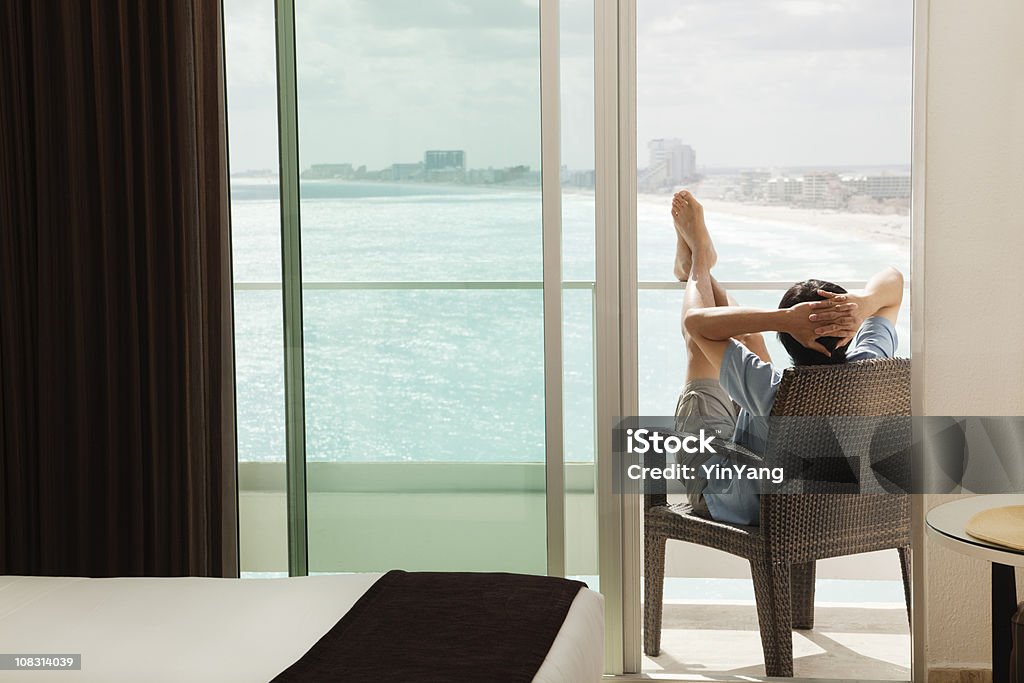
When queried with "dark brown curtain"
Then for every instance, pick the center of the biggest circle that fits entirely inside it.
(117, 436)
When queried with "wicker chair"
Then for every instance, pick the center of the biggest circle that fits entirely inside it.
(797, 529)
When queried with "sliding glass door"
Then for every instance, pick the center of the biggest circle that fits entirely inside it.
(426, 314)
(422, 308)
(416, 377)
(791, 122)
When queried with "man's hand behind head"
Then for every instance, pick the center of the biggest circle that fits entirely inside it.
(835, 308)
(804, 324)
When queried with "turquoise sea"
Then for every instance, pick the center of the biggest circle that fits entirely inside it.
(457, 375)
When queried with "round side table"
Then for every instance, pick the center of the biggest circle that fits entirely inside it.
(945, 525)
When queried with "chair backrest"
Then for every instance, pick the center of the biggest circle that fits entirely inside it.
(870, 388)
(879, 387)
(837, 423)
(836, 435)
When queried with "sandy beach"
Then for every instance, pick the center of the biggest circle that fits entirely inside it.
(889, 227)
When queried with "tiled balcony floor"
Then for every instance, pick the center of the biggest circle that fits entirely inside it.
(721, 641)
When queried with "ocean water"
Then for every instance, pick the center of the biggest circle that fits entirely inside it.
(457, 375)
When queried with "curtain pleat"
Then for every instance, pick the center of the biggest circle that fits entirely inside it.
(117, 432)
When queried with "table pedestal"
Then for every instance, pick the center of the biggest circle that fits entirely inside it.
(1004, 605)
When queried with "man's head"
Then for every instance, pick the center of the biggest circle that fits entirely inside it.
(801, 355)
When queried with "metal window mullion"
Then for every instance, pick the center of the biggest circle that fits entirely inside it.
(918, 503)
(632, 510)
(606, 324)
(551, 216)
(291, 288)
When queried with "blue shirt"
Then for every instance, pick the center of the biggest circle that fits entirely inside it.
(752, 384)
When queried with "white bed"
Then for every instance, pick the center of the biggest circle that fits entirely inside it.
(193, 629)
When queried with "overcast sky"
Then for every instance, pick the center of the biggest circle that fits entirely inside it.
(745, 82)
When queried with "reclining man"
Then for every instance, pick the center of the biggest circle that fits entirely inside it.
(730, 380)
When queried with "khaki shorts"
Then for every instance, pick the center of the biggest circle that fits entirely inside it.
(703, 404)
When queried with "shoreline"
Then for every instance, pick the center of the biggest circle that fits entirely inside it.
(893, 228)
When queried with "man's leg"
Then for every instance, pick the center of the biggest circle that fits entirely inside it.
(703, 404)
(700, 290)
(685, 211)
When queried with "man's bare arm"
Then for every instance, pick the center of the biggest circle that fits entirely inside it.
(711, 328)
(882, 296)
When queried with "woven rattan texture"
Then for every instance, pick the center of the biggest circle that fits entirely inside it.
(797, 529)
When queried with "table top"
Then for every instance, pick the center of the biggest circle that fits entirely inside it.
(945, 524)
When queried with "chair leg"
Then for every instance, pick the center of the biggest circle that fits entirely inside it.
(802, 583)
(774, 614)
(654, 590)
(905, 567)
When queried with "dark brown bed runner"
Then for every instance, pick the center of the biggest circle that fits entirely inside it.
(442, 626)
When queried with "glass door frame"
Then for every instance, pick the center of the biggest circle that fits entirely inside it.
(291, 289)
(615, 324)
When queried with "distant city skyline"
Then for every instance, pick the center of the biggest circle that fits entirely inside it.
(778, 83)
(699, 169)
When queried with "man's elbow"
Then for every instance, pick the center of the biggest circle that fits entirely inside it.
(897, 286)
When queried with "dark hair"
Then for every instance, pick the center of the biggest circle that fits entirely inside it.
(801, 355)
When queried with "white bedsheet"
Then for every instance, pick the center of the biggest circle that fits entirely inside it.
(193, 629)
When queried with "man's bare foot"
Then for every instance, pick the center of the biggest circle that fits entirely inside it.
(689, 221)
(684, 260)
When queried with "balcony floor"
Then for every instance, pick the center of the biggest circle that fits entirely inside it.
(721, 640)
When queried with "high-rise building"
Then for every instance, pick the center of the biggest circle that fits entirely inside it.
(404, 172)
(320, 171)
(444, 160)
(879, 187)
(888, 186)
(754, 184)
(783, 189)
(671, 160)
(823, 189)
